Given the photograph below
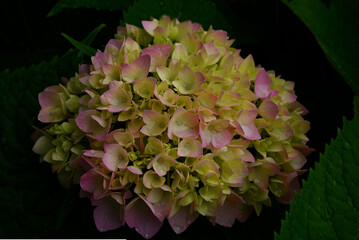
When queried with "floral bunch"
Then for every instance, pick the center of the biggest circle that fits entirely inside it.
(170, 122)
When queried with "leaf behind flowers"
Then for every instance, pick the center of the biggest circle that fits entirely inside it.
(29, 206)
(97, 4)
(328, 205)
(201, 11)
(335, 25)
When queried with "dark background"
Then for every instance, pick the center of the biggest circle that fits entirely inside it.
(268, 30)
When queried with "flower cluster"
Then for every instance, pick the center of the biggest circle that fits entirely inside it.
(170, 122)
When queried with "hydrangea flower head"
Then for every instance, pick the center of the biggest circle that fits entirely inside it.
(170, 122)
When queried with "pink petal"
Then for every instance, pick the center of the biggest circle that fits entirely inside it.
(206, 136)
(49, 96)
(196, 147)
(162, 208)
(164, 49)
(138, 69)
(227, 214)
(108, 214)
(159, 54)
(268, 109)
(139, 216)
(221, 139)
(100, 135)
(262, 85)
(303, 149)
(213, 54)
(186, 132)
(247, 116)
(149, 26)
(150, 116)
(99, 120)
(84, 69)
(217, 36)
(115, 157)
(196, 27)
(113, 43)
(291, 185)
(92, 182)
(247, 156)
(294, 105)
(182, 219)
(288, 97)
(101, 59)
(189, 126)
(135, 170)
(187, 74)
(280, 130)
(219, 136)
(170, 124)
(93, 153)
(118, 98)
(51, 105)
(249, 131)
(87, 124)
(207, 100)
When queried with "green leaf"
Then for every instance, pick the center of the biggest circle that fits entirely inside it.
(201, 11)
(97, 4)
(328, 206)
(29, 206)
(89, 39)
(89, 51)
(335, 25)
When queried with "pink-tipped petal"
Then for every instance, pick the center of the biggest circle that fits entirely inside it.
(217, 36)
(268, 109)
(101, 59)
(189, 147)
(150, 116)
(280, 130)
(149, 26)
(85, 122)
(247, 116)
(51, 105)
(159, 55)
(205, 135)
(84, 69)
(188, 81)
(212, 53)
(113, 43)
(88, 124)
(108, 214)
(262, 85)
(227, 214)
(115, 157)
(249, 131)
(247, 156)
(207, 100)
(215, 132)
(183, 124)
(139, 216)
(182, 219)
(102, 122)
(93, 153)
(162, 208)
(221, 139)
(138, 69)
(92, 182)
